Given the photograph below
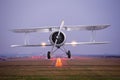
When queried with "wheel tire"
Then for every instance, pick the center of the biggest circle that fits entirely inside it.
(69, 54)
(48, 55)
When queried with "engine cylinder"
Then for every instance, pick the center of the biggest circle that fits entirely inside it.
(60, 39)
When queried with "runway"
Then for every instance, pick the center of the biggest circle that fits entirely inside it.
(85, 68)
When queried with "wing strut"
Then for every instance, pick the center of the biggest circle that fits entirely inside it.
(26, 40)
(92, 39)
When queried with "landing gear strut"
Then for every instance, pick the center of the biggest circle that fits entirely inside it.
(48, 55)
(69, 54)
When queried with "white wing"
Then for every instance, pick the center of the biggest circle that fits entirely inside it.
(30, 30)
(86, 43)
(72, 43)
(85, 27)
(65, 27)
(32, 45)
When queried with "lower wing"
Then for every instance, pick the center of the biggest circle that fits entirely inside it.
(31, 45)
(72, 43)
(86, 43)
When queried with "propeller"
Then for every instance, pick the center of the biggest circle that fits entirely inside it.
(61, 26)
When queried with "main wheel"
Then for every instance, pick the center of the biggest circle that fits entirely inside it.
(48, 55)
(69, 54)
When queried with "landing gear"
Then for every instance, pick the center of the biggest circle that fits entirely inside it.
(69, 54)
(48, 55)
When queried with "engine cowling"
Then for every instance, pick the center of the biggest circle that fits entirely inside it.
(60, 40)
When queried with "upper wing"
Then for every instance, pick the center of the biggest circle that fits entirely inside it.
(30, 30)
(85, 27)
(65, 27)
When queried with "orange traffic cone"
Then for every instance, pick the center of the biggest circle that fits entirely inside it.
(58, 62)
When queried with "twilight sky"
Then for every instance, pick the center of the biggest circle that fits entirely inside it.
(38, 13)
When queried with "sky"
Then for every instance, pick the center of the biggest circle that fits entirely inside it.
(38, 13)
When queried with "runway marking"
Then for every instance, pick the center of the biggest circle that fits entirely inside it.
(58, 62)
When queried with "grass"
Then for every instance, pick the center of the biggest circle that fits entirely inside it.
(79, 68)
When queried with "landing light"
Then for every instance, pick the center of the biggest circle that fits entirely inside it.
(43, 44)
(74, 43)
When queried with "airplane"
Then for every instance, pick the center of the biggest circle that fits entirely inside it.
(57, 37)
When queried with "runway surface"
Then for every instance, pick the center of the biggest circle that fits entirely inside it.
(77, 68)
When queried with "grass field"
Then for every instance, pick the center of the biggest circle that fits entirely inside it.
(78, 68)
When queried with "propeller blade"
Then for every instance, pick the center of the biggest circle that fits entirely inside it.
(61, 26)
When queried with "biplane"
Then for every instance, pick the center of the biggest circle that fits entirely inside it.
(57, 38)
